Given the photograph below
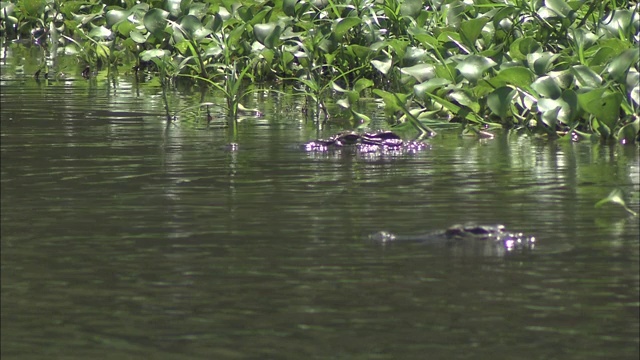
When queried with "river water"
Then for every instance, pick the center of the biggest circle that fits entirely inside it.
(124, 239)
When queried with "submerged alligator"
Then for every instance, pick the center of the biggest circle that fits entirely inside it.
(364, 142)
(492, 238)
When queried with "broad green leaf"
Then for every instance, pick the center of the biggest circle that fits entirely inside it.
(518, 76)
(421, 72)
(289, 7)
(99, 32)
(6, 12)
(629, 132)
(155, 20)
(155, 53)
(570, 112)
(173, 7)
(193, 27)
(429, 86)
(455, 12)
(586, 77)
(115, 16)
(616, 197)
(268, 34)
(463, 98)
(602, 56)
(541, 63)
(411, 8)
(618, 22)
(383, 65)
(604, 106)
(343, 103)
(549, 110)
(620, 65)
(447, 71)
(563, 78)
(392, 102)
(344, 25)
(102, 51)
(138, 37)
(259, 17)
(561, 8)
(358, 51)
(583, 37)
(470, 30)
(198, 10)
(521, 47)
(362, 84)
(547, 87)
(32, 8)
(125, 28)
(474, 66)
(414, 55)
(500, 101)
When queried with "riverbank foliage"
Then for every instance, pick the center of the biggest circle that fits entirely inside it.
(553, 67)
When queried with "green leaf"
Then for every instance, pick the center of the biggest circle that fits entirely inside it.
(155, 53)
(619, 22)
(521, 47)
(569, 112)
(463, 98)
(289, 7)
(358, 51)
(99, 32)
(547, 87)
(193, 27)
(392, 102)
(411, 8)
(560, 7)
(420, 72)
(173, 7)
(362, 84)
(500, 100)
(541, 63)
(470, 30)
(268, 34)
(586, 77)
(473, 67)
(344, 25)
(420, 90)
(115, 16)
(125, 28)
(550, 110)
(155, 20)
(138, 37)
(383, 65)
(629, 132)
(518, 76)
(605, 107)
(620, 65)
(615, 197)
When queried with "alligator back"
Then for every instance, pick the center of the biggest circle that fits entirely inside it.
(493, 239)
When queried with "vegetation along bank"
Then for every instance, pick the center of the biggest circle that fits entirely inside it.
(565, 69)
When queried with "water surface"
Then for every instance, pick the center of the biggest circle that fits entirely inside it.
(122, 238)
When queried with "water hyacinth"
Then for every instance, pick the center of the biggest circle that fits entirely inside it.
(556, 67)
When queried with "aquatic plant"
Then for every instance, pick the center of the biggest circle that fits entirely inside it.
(562, 69)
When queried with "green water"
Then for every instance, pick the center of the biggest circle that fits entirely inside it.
(122, 239)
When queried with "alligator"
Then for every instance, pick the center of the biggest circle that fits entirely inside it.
(364, 142)
(496, 237)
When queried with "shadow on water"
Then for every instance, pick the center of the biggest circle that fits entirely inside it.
(123, 239)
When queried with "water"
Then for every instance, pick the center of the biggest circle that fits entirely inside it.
(122, 239)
